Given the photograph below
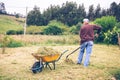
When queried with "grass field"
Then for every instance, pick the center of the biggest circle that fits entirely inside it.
(104, 64)
(10, 23)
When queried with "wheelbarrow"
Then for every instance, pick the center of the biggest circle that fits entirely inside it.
(46, 60)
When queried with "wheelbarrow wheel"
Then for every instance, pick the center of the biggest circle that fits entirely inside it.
(37, 67)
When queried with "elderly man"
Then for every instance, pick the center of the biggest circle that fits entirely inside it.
(87, 38)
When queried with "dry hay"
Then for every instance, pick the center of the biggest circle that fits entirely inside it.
(69, 61)
(43, 51)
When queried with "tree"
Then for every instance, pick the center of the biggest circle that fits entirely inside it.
(51, 13)
(103, 12)
(17, 15)
(68, 13)
(91, 12)
(34, 17)
(98, 11)
(115, 10)
(81, 13)
(118, 13)
(2, 8)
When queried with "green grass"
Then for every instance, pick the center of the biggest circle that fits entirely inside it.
(10, 23)
(5, 78)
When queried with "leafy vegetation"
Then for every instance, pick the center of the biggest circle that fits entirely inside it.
(111, 37)
(52, 30)
(75, 29)
(107, 22)
(7, 41)
(14, 32)
(34, 17)
(109, 30)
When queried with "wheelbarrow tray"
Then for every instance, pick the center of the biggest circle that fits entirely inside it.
(47, 58)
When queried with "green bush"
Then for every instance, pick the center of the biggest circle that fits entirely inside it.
(78, 26)
(60, 25)
(75, 29)
(107, 23)
(14, 32)
(11, 32)
(118, 27)
(9, 42)
(52, 30)
(57, 23)
(109, 31)
(14, 43)
(118, 31)
(100, 39)
(5, 41)
(19, 32)
(111, 36)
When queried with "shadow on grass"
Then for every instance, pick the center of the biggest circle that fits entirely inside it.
(115, 73)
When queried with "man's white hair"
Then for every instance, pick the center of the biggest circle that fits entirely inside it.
(86, 20)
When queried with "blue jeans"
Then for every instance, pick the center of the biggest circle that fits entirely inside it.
(88, 46)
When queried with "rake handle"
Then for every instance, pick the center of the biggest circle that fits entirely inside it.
(72, 52)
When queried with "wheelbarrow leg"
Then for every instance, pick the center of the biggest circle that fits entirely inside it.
(47, 64)
(53, 65)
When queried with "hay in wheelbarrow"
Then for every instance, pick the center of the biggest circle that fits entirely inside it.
(45, 51)
(46, 54)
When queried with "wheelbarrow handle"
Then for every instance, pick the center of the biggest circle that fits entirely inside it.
(62, 54)
(72, 52)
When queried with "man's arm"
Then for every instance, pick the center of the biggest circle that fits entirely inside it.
(98, 28)
(96, 35)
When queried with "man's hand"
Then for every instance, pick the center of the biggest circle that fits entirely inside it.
(96, 35)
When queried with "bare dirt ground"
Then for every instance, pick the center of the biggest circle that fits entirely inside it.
(16, 64)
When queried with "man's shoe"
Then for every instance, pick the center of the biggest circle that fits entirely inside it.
(78, 63)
